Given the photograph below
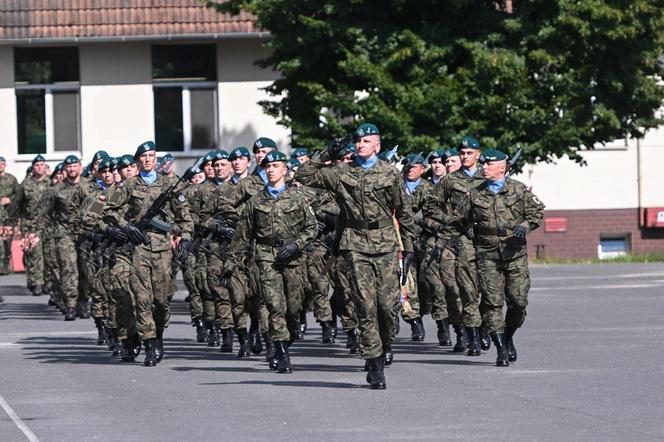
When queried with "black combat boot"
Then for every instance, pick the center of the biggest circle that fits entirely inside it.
(110, 338)
(150, 356)
(70, 314)
(460, 344)
(127, 351)
(328, 336)
(352, 343)
(474, 346)
(484, 338)
(376, 375)
(388, 354)
(2, 299)
(334, 326)
(509, 342)
(213, 334)
(159, 345)
(37, 290)
(282, 357)
(417, 329)
(443, 333)
(501, 349)
(269, 348)
(226, 340)
(101, 333)
(201, 331)
(117, 345)
(303, 325)
(255, 341)
(83, 310)
(243, 339)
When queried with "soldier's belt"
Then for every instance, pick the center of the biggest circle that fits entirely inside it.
(160, 226)
(279, 242)
(369, 225)
(488, 231)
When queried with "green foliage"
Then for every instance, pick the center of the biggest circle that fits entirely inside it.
(551, 76)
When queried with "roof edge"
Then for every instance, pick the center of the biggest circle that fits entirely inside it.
(135, 38)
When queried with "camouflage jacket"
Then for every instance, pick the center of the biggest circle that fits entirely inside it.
(273, 223)
(61, 207)
(369, 199)
(494, 215)
(30, 194)
(8, 189)
(130, 203)
(232, 198)
(91, 209)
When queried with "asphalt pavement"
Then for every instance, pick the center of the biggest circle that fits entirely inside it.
(590, 368)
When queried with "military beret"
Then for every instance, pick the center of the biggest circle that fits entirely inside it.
(451, 152)
(264, 142)
(99, 155)
(71, 159)
(167, 157)
(490, 155)
(350, 148)
(273, 157)
(238, 152)
(413, 158)
(299, 152)
(220, 154)
(438, 153)
(145, 147)
(37, 159)
(29, 169)
(210, 156)
(366, 129)
(2, 159)
(58, 167)
(104, 164)
(86, 171)
(125, 160)
(469, 142)
(293, 163)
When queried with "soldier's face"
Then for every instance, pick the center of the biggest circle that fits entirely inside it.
(116, 176)
(469, 157)
(276, 172)
(415, 172)
(72, 171)
(240, 165)
(2, 166)
(223, 169)
(209, 170)
(367, 146)
(452, 164)
(148, 161)
(198, 178)
(494, 170)
(38, 169)
(128, 171)
(303, 159)
(260, 154)
(106, 176)
(437, 167)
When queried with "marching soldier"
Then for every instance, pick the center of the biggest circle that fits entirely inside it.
(8, 193)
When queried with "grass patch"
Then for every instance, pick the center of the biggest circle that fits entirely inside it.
(657, 257)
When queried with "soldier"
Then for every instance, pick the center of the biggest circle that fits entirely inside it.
(8, 193)
(281, 224)
(151, 256)
(31, 191)
(501, 212)
(51, 270)
(301, 154)
(370, 193)
(436, 161)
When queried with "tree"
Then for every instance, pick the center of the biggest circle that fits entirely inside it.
(550, 76)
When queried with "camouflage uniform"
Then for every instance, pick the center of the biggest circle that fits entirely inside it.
(369, 199)
(190, 265)
(31, 191)
(8, 189)
(51, 269)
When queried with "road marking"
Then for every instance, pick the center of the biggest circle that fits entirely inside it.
(8, 344)
(17, 420)
(597, 287)
(605, 276)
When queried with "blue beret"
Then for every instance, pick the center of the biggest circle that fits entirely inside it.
(264, 142)
(299, 152)
(37, 159)
(238, 152)
(366, 129)
(490, 155)
(145, 147)
(469, 143)
(71, 159)
(273, 157)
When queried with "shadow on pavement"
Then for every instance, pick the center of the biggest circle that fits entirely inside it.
(25, 311)
(309, 384)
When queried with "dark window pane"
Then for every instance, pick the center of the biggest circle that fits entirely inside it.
(180, 62)
(31, 118)
(45, 65)
(65, 121)
(202, 119)
(168, 119)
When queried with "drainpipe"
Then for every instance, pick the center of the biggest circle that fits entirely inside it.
(639, 183)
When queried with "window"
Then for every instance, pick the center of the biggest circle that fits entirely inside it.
(47, 99)
(185, 97)
(613, 246)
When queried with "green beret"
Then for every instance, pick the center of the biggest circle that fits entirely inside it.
(86, 171)
(71, 159)
(238, 152)
(451, 152)
(273, 157)
(58, 167)
(124, 161)
(366, 129)
(2, 159)
(220, 154)
(210, 156)
(264, 142)
(293, 163)
(104, 164)
(469, 143)
(144, 147)
(350, 148)
(438, 153)
(37, 159)
(490, 155)
(413, 158)
(99, 155)
(167, 157)
(299, 152)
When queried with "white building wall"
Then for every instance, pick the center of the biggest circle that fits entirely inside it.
(8, 130)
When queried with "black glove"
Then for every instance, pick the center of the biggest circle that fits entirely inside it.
(335, 147)
(224, 232)
(94, 237)
(406, 261)
(116, 234)
(135, 235)
(182, 250)
(225, 278)
(519, 232)
(285, 252)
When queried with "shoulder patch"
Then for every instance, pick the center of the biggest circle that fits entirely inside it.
(181, 198)
(102, 197)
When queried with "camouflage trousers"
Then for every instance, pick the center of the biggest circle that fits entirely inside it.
(51, 271)
(121, 275)
(33, 260)
(151, 283)
(375, 287)
(189, 277)
(316, 283)
(439, 276)
(342, 299)
(256, 301)
(246, 301)
(85, 285)
(65, 252)
(5, 252)
(283, 294)
(220, 296)
(504, 282)
(466, 278)
(203, 288)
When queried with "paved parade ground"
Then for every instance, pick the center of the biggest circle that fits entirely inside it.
(591, 367)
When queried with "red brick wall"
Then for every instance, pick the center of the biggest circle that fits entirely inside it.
(584, 228)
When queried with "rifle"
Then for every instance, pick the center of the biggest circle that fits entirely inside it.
(391, 153)
(513, 161)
